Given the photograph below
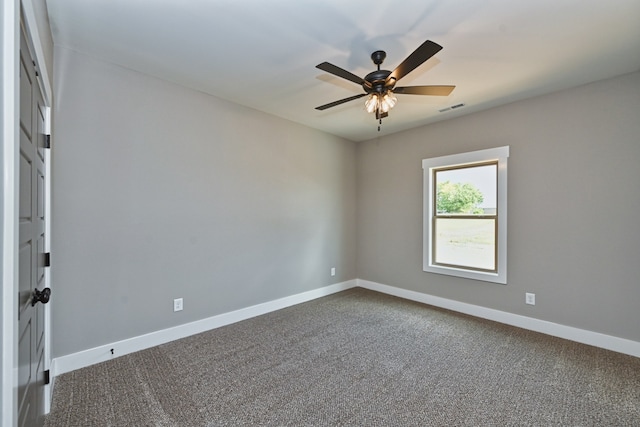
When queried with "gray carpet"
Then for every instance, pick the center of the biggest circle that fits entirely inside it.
(357, 358)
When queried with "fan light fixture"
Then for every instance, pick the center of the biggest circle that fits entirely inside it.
(377, 103)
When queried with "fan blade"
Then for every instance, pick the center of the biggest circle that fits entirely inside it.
(420, 55)
(342, 101)
(337, 71)
(424, 90)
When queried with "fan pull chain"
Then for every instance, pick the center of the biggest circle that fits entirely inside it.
(379, 124)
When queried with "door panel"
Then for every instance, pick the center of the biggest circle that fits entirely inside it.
(40, 117)
(26, 87)
(40, 197)
(25, 184)
(25, 342)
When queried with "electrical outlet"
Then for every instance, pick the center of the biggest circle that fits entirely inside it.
(333, 271)
(530, 298)
(177, 304)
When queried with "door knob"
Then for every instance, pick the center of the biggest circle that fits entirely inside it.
(40, 296)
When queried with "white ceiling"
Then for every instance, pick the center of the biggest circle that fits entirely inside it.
(262, 54)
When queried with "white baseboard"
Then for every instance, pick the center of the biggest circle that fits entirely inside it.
(583, 336)
(82, 359)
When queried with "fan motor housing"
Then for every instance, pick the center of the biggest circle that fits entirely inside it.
(376, 81)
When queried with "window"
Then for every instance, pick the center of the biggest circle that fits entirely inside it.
(465, 215)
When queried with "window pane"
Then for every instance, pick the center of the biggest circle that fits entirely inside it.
(465, 242)
(467, 191)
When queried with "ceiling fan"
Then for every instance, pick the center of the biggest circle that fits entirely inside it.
(380, 85)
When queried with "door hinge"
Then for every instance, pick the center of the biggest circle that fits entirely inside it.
(47, 259)
(47, 141)
(47, 377)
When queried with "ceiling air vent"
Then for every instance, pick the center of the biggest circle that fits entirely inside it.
(453, 107)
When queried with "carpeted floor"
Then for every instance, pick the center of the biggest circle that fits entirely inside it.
(356, 358)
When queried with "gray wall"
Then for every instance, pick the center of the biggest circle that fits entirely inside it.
(162, 192)
(574, 201)
(44, 30)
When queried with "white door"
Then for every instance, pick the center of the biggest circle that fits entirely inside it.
(31, 245)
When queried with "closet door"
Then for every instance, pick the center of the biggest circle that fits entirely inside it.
(31, 295)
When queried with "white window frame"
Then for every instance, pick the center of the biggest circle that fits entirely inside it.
(499, 154)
